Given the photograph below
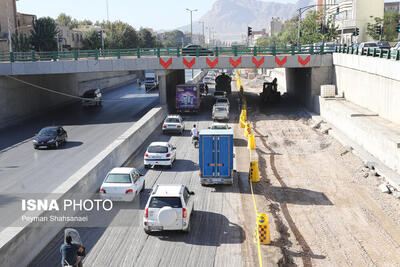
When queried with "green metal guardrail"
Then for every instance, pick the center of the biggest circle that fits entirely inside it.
(198, 52)
(369, 52)
(157, 52)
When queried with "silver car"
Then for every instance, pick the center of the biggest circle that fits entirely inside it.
(220, 112)
(173, 123)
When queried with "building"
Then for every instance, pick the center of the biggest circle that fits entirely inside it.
(24, 23)
(4, 25)
(69, 39)
(257, 35)
(276, 26)
(392, 6)
(353, 14)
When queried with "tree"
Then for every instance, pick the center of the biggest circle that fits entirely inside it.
(20, 42)
(120, 35)
(91, 40)
(43, 34)
(389, 23)
(146, 38)
(64, 20)
(173, 38)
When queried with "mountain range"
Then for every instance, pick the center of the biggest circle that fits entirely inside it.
(230, 18)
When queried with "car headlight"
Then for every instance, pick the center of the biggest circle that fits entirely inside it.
(35, 141)
(51, 140)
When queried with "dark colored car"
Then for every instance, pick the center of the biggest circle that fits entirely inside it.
(53, 136)
(192, 50)
(92, 97)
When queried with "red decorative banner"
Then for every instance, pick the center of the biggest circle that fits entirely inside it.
(304, 62)
(281, 62)
(259, 62)
(166, 64)
(212, 63)
(189, 64)
(235, 63)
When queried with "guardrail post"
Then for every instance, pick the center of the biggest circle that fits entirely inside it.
(292, 50)
(255, 51)
(33, 56)
(216, 51)
(197, 51)
(389, 54)
(321, 50)
(54, 55)
(158, 52)
(398, 55)
(76, 54)
(312, 49)
(119, 54)
(235, 51)
(96, 54)
(368, 50)
(374, 55)
(12, 57)
(138, 52)
(168, 51)
(380, 53)
(177, 52)
(274, 50)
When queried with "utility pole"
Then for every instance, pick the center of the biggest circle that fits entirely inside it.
(204, 38)
(108, 18)
(9, 29)
(191, 23)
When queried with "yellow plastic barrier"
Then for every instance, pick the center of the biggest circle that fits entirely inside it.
(254, 173)
(247, 130)
(242, 122)
(251, 144)
(244, 114)
(263, 229)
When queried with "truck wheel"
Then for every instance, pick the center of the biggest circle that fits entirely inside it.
(147, 232)
(187, 229)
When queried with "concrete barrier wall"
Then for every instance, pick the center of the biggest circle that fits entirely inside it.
(368, 132)
(369, 88)
(19, 101)
(20, 245)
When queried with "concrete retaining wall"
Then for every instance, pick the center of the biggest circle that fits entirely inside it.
(374, 134)
(19, 245)
(373, 83)
(19, 101)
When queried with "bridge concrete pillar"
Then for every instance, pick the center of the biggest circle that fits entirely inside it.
(168, 79)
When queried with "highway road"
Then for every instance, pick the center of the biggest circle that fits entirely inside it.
(90, 130)
(216, 237)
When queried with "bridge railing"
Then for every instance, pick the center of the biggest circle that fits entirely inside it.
(369, 52)
(160, 52)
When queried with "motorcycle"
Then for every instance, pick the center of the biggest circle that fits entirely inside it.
(195, 141)
(76, 239)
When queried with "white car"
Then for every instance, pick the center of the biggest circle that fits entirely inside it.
(160, 153)
(222, 101)
(173, 123)
(208, 80)
(219, 126)
(122, 184)
(220, 112)
(169, 208)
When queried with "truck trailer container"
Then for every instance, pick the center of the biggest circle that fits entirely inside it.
(187, 98)
(216, 156)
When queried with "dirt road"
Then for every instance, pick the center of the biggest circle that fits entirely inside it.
(323, 212)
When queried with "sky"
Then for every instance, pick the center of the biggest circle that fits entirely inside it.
(156, 14)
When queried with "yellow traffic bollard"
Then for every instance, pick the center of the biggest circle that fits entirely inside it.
(251, 144)
(244, 114)
(242, 125)
(254, 173)
(247, 130)
(241, 90)
(263, 229)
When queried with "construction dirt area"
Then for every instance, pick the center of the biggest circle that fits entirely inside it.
(324, 209)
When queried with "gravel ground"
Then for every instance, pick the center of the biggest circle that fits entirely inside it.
(323, 211)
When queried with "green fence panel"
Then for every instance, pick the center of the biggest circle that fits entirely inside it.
(216, 51)
(158, 52)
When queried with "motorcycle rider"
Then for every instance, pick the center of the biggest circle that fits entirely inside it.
(195, 133)
(69, 253)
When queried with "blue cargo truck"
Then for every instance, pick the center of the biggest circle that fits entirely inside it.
(216, 156)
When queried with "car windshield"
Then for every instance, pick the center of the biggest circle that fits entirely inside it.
(157, 149)
(218, 93)
(172, 120)
(222, 100)
(370, 45)
(118, 178)
(48, 132)
(160, 202)
(220, 109)
(214, 127)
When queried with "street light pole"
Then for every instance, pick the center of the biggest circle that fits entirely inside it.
(9, 29)
(191, 23)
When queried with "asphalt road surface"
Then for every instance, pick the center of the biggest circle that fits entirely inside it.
(90, 130)
(216, 235)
